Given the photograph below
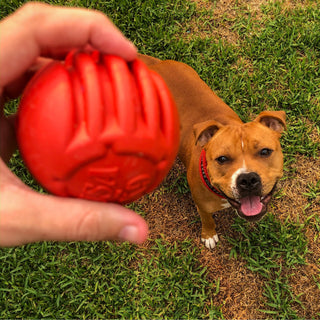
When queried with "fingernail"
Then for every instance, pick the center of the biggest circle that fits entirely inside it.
(129, 233)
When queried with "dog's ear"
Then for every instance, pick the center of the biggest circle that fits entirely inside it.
(204, 131)
(275, 120)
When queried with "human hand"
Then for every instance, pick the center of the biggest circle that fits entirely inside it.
(28, 37)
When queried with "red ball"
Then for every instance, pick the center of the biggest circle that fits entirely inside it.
(98, 128)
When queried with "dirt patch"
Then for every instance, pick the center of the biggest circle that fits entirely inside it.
(294, 202)
(304, 286)
(169, 214)
(216, 19)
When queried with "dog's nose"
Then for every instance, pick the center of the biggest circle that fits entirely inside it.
(249, 182)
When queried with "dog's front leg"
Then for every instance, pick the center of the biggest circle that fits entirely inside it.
(208, 233)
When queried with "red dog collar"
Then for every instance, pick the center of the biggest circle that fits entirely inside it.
(205, 177)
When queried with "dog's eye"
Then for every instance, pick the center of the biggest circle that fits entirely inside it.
(265, 152)
(222, 159)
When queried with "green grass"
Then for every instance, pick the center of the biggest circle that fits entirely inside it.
(269, 244)
(272, 249)
(104, 280)
(314, 192)
(273, 64)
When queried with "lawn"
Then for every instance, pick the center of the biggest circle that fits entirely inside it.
(256, 55)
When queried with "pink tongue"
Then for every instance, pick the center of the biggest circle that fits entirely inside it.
(250, 206)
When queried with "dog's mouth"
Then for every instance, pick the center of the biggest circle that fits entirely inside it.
(252, 208)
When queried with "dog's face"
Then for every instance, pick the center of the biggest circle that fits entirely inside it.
(244, 162)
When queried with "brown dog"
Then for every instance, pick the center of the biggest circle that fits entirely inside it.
(228, 162)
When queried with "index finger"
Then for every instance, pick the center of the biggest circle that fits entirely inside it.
(38, 29)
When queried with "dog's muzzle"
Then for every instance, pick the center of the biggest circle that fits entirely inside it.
(252, 206)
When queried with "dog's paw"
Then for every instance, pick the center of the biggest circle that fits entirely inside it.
(210, 243)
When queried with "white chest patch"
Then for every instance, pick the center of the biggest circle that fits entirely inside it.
(225, 204)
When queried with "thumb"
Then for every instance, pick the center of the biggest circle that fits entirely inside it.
(27, 216)
(67, 219)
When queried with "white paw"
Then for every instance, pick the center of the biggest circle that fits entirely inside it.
(210, 243)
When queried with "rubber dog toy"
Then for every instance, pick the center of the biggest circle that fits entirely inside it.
(98, 128)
